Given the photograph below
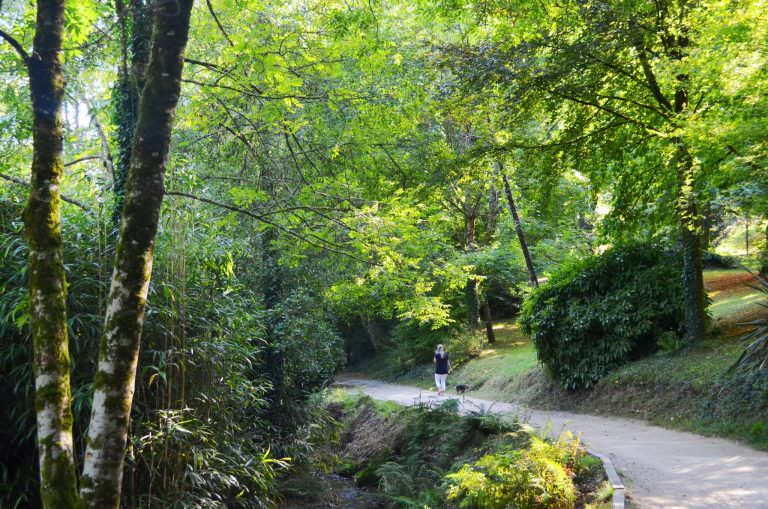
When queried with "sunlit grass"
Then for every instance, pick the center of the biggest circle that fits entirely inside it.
(733, 305)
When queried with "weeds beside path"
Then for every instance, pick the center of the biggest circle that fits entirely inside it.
(662, 468)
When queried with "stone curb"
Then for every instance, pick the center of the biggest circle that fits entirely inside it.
(619, 491)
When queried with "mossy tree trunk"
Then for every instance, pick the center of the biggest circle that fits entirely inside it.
(118, 353)
(47, 281)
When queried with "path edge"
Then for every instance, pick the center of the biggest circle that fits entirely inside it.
(619, 490)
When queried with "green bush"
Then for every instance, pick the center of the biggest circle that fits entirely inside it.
(597, 313)
(534, 478)
(712, 260)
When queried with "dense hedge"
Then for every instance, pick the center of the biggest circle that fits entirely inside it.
(597, 313)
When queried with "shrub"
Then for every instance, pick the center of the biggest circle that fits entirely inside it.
(534, 478)
(712, 260)
(597, 313)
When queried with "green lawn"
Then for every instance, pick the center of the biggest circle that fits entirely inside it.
(500, 365)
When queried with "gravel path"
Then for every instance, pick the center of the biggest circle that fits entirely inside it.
(662, 469)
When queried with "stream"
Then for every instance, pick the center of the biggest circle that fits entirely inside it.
(340, 493)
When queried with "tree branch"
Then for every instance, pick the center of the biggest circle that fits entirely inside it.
(80, 160)
(653, 83)
(64, 198)
(13, 42)
(218, 23)
(324, 244)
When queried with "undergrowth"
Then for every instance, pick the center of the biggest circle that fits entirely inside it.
(431, 456)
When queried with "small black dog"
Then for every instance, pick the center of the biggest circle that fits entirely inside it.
(461, 389)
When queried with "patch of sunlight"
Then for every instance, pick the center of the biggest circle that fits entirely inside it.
(735, 305)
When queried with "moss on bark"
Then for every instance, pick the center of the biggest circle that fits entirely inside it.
(47, 282)
(119, 347)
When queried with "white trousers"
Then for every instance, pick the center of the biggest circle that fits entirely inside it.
(440, 381)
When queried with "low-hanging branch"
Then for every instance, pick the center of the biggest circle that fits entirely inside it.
(64, 198)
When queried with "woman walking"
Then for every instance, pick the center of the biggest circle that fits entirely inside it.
(442, 368)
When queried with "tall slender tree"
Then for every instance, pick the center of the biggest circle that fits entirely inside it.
(47, 281)
(118, 353)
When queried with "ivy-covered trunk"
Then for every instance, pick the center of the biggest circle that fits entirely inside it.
(47, 281)
(118, 353)
(694, 296)
(133, 17)
(693, 280)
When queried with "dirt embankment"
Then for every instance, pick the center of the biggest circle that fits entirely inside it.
(730, 281)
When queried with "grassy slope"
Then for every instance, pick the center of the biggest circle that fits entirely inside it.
(673, 390)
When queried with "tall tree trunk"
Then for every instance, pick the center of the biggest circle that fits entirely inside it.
(472, 302)
(694, 297)
(47, 281)
(519, 231)
(707, 224)
(118, 353)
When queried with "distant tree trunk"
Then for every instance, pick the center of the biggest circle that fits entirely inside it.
(272, 287)
(470, 290)
(118, 353)
(47, 281)
(764, 256)
(485, 312)
(746, 233)
(472, 302)
(519, 230)
(376, 333)
(492, 220)
(494, 208)
(707, 224)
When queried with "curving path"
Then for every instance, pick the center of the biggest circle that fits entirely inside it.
(662, 469)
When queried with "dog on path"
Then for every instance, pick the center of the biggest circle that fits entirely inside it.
(461, 388)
